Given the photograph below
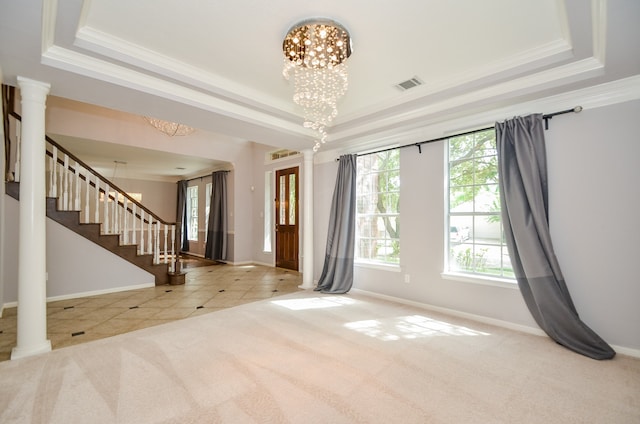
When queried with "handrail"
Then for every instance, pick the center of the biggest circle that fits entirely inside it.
(88, 168)
(151, 224)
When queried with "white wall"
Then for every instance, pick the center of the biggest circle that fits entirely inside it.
(74, 264)
(594, 202)
(240, 208)
(158, 196)
(594, 198)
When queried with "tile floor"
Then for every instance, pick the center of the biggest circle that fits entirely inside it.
(206, 289)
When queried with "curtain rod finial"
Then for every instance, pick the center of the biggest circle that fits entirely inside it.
(577, 109)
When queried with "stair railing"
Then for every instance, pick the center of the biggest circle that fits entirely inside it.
(80, 188)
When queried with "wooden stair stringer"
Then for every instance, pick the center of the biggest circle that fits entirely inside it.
(110, 242)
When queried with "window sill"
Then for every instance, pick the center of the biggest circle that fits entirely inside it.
(381, 267)
(475, 279)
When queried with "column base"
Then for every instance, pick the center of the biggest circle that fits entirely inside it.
(306, 285)
(23, 352)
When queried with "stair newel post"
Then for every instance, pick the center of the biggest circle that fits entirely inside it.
(53, 192)
(166, 236)
(142, 231)
(105, 202)
(133, 223)
(97, 200)
(65, 184)
(125, 221)
(76, 203)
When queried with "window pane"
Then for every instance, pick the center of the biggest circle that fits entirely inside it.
(486, 198)
(475, 236)
(378, 204)
(292, 199)
(461, 199)
(282, 218)
(192, 213)
(461, 147)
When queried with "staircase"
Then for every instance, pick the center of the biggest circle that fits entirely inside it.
(85, 202)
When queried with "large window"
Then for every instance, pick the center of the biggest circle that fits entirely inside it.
(207, 208)
(192, 213)
(475, 237)
(378, 208)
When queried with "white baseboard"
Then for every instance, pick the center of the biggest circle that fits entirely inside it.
(85, 294)
(263, 264)
(486, 320)
(453, 312)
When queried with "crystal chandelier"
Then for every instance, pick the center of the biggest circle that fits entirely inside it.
(316, 51)
(169, 128)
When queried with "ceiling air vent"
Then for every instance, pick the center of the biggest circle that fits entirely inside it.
(410, 83)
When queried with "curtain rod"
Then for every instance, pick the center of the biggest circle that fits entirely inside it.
(419, 144)
(204, 176)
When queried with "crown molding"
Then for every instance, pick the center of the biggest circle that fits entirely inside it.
(610, 93)
(78, 63)
(553, 78)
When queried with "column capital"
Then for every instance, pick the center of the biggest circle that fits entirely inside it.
(32, 89)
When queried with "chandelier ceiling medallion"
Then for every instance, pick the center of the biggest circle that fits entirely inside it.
(169, 128)
(316, 51)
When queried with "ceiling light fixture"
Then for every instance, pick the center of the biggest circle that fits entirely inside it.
(316, 51)
(169, 128)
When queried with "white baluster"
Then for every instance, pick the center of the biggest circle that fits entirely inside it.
(118, 229)
(65, 184)
(156, 247)
(61, 188)
(76, 203)
(86, 196)
(125, 221)
(142, 231)
(114, 206)
(97, 211)
(166, 235)
(105, 201)
(150, 235)
(54, 172)
(173, 252)
(133, 224)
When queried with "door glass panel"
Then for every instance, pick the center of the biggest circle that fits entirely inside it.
(282, 218)
(292, 199)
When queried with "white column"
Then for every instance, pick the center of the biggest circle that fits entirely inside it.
(3, 177)
(32, 267)
(307, 236)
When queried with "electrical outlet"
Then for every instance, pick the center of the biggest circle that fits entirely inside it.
(407, 278)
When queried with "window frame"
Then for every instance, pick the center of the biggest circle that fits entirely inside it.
(475, 247)
(387, 239)
(191, 218)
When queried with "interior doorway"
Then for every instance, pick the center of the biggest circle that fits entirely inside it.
(287, 218)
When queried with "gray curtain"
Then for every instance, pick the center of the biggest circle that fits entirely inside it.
(216, 247)
(182, 216)
(523, 193)
(337, 272)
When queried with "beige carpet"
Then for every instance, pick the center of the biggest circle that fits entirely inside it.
(311, 358)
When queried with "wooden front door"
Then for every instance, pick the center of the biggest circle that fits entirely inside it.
(287, 218)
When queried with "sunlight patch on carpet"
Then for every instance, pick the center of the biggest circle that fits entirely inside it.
(410, 327)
